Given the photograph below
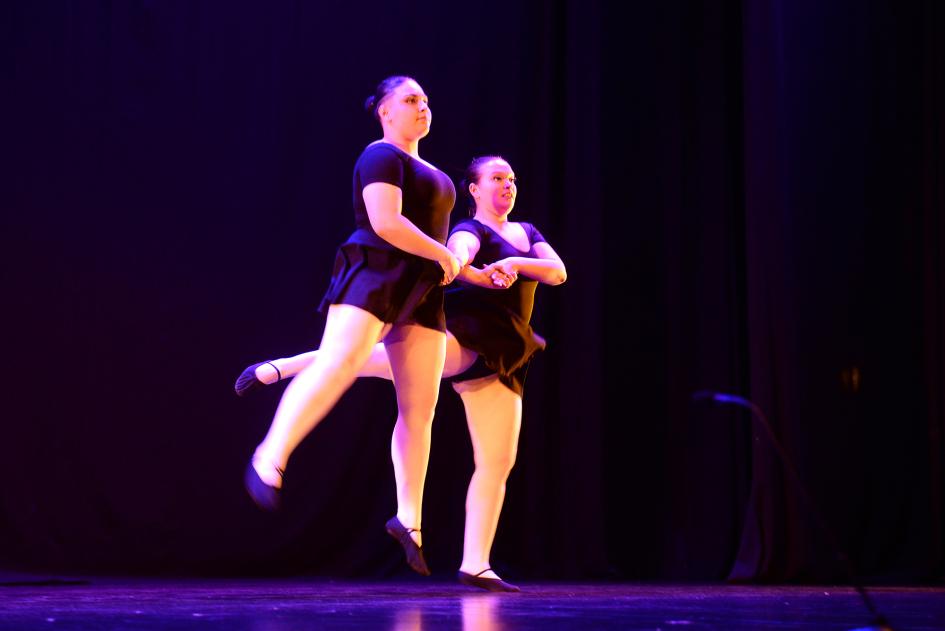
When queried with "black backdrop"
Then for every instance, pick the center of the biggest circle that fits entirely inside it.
(748, 196)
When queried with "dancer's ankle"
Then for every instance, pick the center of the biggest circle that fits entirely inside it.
(414, 526)
(268, 373)
(268, 471)
(476, 569)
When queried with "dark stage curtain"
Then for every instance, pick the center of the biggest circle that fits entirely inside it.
(782, 164)
(748, 196)
(843, 105)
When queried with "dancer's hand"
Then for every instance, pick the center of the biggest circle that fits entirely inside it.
(500, 280)
(451, 266)
(502, 273)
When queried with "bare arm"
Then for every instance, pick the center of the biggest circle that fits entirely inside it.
(384, 203)
(548, 268)
(481, 277)
(465, 245)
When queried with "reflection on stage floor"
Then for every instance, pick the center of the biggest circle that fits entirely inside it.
(427, 605)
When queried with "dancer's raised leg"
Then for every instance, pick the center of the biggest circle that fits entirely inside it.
(377, 365)
(274, 370)
(349, 338)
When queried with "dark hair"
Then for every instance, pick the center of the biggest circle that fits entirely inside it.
(472, 174)
(383, 90)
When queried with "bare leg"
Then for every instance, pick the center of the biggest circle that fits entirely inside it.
(349, 337)
(377, 365)
(416, 358)
(458, 359)
(494, 417)
(287, 366)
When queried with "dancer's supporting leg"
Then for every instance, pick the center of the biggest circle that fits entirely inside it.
(416, 357)
(494, 417)
(349, 338)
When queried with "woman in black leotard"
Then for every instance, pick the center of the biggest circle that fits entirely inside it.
(387, 284)
(489, 345)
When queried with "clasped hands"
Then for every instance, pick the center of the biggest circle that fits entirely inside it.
(499, 275)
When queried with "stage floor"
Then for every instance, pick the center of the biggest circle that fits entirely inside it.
(425, 605)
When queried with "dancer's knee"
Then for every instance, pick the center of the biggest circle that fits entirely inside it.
(417, 409)
(417, 416)
(343, 365)
(496, 465)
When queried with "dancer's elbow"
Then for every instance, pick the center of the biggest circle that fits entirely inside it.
(558, 277)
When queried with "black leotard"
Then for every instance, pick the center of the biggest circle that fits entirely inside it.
(495, 322)
(372, 274)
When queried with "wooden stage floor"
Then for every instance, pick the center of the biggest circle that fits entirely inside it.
(427, 605)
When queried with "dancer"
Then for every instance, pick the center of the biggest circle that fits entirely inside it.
(489, 346)
(387, 284)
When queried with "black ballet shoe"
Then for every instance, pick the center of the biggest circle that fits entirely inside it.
(414, 553)
(268, 498)
(247, 381)
(488, 584)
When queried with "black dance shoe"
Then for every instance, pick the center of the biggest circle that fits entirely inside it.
(414, 553)
(268, 498)
(488, 584)
(247, 381)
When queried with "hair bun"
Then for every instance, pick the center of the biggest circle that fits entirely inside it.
(369, 103)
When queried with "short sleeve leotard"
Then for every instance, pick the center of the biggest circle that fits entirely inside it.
(369, 272)
(495, 322)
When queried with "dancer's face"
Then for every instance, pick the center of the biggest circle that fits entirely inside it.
(495, 190)
(406, 111)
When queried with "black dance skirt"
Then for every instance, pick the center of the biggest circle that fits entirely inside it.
(503, 339)
(395, 286)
